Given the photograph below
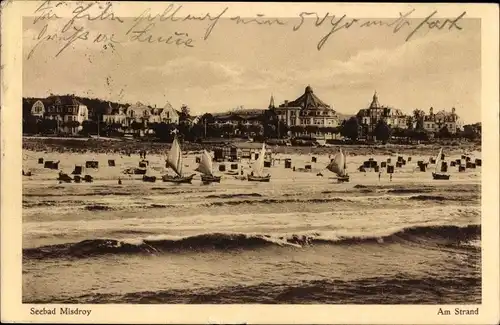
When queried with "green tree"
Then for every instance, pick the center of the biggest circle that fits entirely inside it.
(197, 131)
(228, 130)
(418, 117)
(409, 122)
(136, 126)
(164, 131)
(312, 129)
(444, 133)
(89, 127)
(382, 131)
(297, 129)
(283, 129)
(270, 131)
(350, 129)
(31, 125)
(243, 129)
(185, 111)
(470, 132)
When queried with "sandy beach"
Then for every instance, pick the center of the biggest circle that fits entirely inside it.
(123, 147)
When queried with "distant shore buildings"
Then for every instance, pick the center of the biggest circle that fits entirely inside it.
(433, 122)
(306, 111)
(140, 113)
(305, 115)
(67, 112)
(369, 117)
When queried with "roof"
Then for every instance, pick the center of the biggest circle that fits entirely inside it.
(443, 114)
(248, 111)
(64, 100)
(240, 114)
(375, 105)
(169, 107)
(309, 101)
(139, 107)
(112, 109)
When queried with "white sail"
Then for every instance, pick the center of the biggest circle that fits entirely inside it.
(258, 166)
(438, 161)
(174, 158)
(205, 166)
(338, 164)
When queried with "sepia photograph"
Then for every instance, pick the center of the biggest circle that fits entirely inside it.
(190, 154)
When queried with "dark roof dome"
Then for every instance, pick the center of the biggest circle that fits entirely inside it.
(309, 101)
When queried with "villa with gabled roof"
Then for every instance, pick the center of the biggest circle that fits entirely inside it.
(434, 122)
(67, 111)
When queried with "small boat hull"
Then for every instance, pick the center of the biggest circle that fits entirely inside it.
(210, 179)
(150, 179)
(343, 179)
(177, 179)
(64, 178)
(437, 176)
(251, 178)
(140, 171)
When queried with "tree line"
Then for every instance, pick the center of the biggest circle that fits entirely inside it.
(264, 126)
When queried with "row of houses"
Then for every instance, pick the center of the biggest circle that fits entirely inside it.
(70, 113)
(138, 112)
(306, 110)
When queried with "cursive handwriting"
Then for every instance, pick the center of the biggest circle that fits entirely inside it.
(83, 12)
(398, 23)
(145, 36)
(78, 34)
(343, 23)
(144, 27)
(171, 14)
(437, 24)
(258, 20)
(45, 11)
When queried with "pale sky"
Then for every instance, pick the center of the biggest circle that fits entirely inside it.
(245, 64)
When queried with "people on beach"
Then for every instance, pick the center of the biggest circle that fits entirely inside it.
(390, 177)
(379, 174)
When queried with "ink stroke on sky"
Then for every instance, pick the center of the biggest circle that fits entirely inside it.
(141, 29)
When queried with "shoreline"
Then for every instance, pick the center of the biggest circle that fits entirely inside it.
(93, 145)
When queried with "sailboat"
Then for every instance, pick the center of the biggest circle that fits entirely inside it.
(257, 174)
(174, 161)
(437, 174)
(205, 168)
(338, 166)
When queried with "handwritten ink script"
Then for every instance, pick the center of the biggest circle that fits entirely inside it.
(147, 26)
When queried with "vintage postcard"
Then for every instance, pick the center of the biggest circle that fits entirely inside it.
(177, 162)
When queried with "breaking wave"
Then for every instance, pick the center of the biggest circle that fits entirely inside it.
(445, 236)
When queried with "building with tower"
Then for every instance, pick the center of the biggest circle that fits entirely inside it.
(307, 110)
(369, 117)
